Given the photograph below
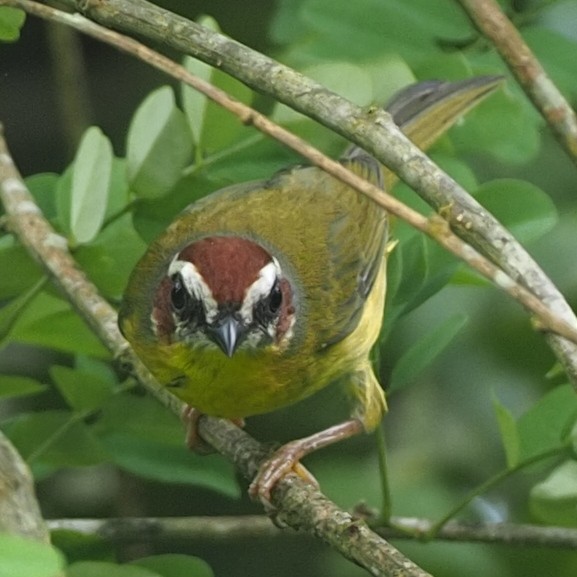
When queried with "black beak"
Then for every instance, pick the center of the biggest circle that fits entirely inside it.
(227, 334)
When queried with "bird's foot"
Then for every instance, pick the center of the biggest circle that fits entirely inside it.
(190, 417)
(283, 461)
(286, 459)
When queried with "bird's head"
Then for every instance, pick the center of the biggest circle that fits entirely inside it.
(225, 291)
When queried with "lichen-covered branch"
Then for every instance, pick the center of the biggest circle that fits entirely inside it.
(226, 529)
(19, 510)
(490, 19)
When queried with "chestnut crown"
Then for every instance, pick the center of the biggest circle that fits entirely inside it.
(225, 291)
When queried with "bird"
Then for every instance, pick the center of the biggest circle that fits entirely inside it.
(262, 293)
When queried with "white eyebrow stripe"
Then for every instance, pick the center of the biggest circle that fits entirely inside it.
(195, 285)
(260, 288)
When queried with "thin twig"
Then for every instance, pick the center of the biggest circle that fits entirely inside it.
(490, 483)
(490, 19)
(227, 529)
(375, 133)
(435, 227)
(300, 505)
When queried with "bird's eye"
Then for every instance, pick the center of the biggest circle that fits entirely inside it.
(179, 296)
(186, 308)
(266, 310)
(275, 299)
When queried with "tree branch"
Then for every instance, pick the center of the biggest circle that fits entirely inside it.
(375, 133)
(225, 529)
(299, 504)
(489, 18)
(68, 69)
(19, 510)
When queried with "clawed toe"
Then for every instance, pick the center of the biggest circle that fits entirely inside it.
(282, 462)
(190, 417)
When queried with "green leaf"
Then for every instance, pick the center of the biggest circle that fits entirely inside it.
(171, 464)
(151, 217)
(63, 201)
(14, 256)
(49, 321)
(251, 158)
(109, 259)
(16, 386)
(407, 275)
(573, 437)
(159, 145)
(504, 126)
(10, 313)
(173, 565)
(561, 17)
(43, 186)
(11, 21)
(194, 103)
(21, 557)
(78, 546)
(521, 206)
(97, 369)
(118, 196)
(142, 417)
(425, 351)
(220, 128)
(547, 424)
(556, 53)
(82, 390)
(415, 266)
(145, 439)
(91, 173)
(325, 26)
(509, 432)
(213, 128)
(55, 438)
(554, 500)
(103, 569)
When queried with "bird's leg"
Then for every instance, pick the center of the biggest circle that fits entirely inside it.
(286, 459)
(194, 441)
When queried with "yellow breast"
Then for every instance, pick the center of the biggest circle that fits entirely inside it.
(254, 382)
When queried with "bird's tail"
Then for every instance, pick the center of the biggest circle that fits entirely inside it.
(426, 110)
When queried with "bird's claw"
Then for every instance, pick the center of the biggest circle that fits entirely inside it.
(190, 417)
(282, 462)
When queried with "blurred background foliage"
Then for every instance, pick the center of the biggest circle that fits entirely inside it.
(473, 389)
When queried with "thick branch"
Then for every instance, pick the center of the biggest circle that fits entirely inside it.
(489, 18)
(226, 529)
(300, 505)
(375, 133)
(70, 83)
(19, 510)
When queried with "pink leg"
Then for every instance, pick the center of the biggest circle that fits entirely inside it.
(286, 459)
(194, 441)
